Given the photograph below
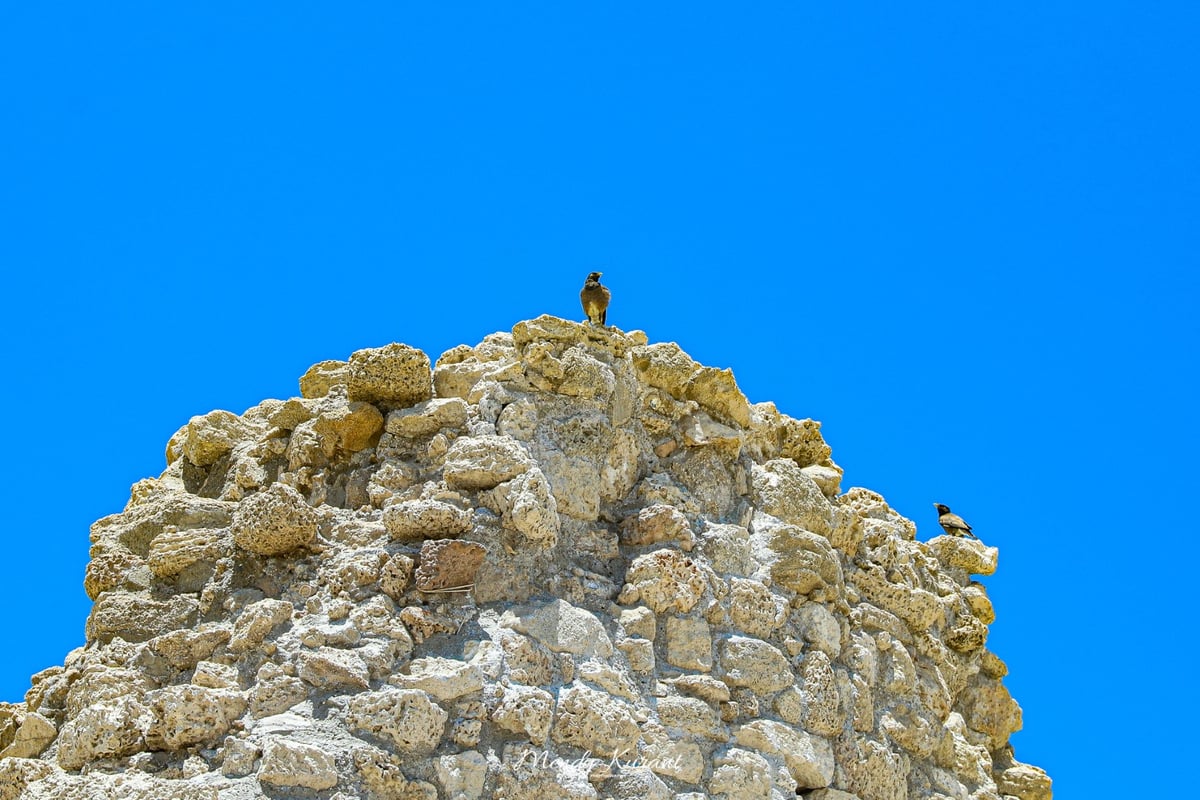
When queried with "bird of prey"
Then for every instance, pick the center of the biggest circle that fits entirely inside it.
(953, 524)
(595, 299)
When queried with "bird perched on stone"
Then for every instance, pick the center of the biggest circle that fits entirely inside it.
(595, 299)
(953, 524)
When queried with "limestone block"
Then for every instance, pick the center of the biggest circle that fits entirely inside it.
(918, 608)
(332, 668)
(238, 757)
(1024, 781)
(528, 505)
(346, 426)
(395, 376)
(216, 676)
(638, 621)
(111, 566)
(827, 478)
(395, 574)
(31, 738)
(191, 715)
(830, 794)
(525, 711)
(681, 760)
(667, 580)
(408, 719)
(425, 419)
(639, 653)
(989, 709)
(809, 759)
(968, 554)
(877, 517)
(797, 559)
(977, 600)
(291, 763)
(862, 657)
(700, 430)
(782, 489)
(584, 376)
(728, 549)
(482, 462)
(638, 783)
(16, 774)
(183, 649)
(443, 678)
(256, 621)
(755, 664)
(655, 523)
(871, 770)
(462, 775)
(612, 678)
(275, 692)
(595, 721)
(692, 716)
(99, 683)
(573, 484)
(105, 730)
(740, 775)
(689, 643)
(322, 376)
(411, 520)
(134, 528)
(817, 625)
(704, 687)
(383, 777)
(174, 551)
(665, 366)
(138, 618)
(448, 564)
(274, 521)
(561, 627)
(966, 635)
(209, 436)
(717, 392)
(754, 608)
(823, 710)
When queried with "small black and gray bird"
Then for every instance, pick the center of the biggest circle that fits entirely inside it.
(595, 299)
(953, 524)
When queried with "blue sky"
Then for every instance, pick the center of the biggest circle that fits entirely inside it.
(962, 237)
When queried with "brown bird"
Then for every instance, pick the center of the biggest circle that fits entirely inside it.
(595, 299)
(953, 524)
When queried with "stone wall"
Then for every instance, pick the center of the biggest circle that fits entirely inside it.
(563, 563)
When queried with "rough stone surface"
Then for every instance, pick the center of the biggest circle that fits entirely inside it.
(566, 563)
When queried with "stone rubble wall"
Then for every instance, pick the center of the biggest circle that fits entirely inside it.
(563, 563)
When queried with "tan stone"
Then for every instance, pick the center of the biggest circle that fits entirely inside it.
(395, 376)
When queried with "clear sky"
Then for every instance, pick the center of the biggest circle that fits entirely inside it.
(961, 235)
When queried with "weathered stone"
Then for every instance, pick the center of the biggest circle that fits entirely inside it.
(395, 376)
(31, 738)
(443, 678)
(256, 621)
(783, 490)
(427, 418)
(755, 664)
(689, 643)
(482, 462)
(562, 627)
(206, 438)
(191, 715)
(526, 711)
(809, 758)
(596, 721)
(657, 523)
(667, 580)
(425, 519)
(528, 506)
(290, 763)
(333, 668)
(274, 521)
(405, 718)
(322, 376)
(966, 554)
(448, 564)
(137, 618)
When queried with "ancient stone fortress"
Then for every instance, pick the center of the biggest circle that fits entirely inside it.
(563, 563)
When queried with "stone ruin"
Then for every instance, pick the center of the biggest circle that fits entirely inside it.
(563, 563)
